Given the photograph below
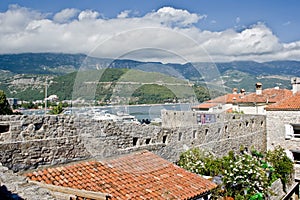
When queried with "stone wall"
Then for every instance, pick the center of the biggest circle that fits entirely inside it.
(277, 190)
(13, 186)
(276, 121)
(229, 132)
(30, 141)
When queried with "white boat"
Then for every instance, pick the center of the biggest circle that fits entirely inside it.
(104, 115)
(126, 118)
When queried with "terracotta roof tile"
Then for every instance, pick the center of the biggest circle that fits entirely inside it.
(205, 106)
(289, 104)
(141, 175)
(225, 99)
(270, 95)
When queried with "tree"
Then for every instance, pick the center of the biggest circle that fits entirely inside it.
(57, 109)
(5, 108)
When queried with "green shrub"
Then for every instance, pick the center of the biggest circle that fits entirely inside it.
(283, 166)
(200, 162)
(244, 175)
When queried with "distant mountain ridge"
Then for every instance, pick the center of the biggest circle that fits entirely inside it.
(42, 63)
(240, 74)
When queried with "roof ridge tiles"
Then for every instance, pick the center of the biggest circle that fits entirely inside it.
(132, 174)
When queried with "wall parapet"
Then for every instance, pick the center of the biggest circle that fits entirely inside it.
(30, 141)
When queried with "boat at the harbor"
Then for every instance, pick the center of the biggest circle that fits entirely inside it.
(104, 115)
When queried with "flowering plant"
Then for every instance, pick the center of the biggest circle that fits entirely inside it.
(245, 175)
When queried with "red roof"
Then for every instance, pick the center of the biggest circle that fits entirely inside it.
(141, 175)
(205, 106)
(270, 95)
(292, 103)
(228, 98)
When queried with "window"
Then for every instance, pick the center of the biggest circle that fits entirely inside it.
(134, 141)
(226, 128)
(164, 139)
(179, 136)
(148, 140)
(292, 131)
(4, 128)
(247, 123)
(206, 131)
(296, 155)
(194, 134)
(262, 123)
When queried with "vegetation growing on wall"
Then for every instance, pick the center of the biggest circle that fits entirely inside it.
(283, 166)
(244, 175)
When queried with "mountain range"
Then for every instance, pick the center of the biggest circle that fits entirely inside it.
(19, 70)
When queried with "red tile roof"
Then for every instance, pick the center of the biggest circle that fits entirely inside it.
(270, 95)
(141, 175)
(289, 104)
(225, 99)
(205, 106)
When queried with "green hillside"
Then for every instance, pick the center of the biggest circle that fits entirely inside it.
(24, 76)
(124, 86)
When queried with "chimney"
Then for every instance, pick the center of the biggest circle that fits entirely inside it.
(258, 88)
(296, 84)
(242, 91)
(234, 91)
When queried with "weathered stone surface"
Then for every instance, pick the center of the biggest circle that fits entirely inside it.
(277, 190)
(33, 141)
(12, 184)
(276, 121)
(48, 140)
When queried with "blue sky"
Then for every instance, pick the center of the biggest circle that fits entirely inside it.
(279, 21)
(282, 16)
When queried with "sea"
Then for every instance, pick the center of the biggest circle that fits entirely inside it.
(141, 112)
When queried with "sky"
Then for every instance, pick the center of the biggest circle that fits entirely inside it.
(165, 31)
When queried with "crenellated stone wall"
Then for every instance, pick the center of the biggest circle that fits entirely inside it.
(229, 132)
(30, 141)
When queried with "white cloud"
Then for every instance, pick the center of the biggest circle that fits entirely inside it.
(65, 15)
(16, 18)
(124, 14)
(286, 23)
(88, 15)
(174, 17)
(167, 35)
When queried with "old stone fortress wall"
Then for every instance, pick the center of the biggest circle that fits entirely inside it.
(30, 141)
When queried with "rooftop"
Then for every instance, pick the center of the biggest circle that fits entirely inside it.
(228, 98)
(140, 175)
(289, 104)
(205, 106)
(270, 95)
